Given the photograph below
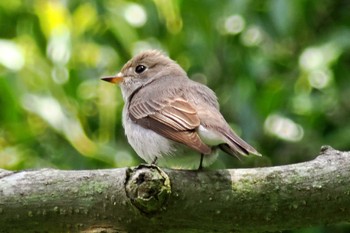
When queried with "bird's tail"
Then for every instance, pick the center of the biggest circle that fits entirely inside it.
(237, 146)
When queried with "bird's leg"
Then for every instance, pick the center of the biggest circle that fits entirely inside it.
(154, 162)
(201, 162)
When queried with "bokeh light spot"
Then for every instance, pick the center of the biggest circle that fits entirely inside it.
(283, 128)
(58, 49)
(252, 36)
(234, 24)
(311, 58)
(135, 15)
(11, 56)
(60, 75)
(320, 78)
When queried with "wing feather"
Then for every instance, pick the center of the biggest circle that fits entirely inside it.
(175, 119)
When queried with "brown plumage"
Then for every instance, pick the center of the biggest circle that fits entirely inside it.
(161, 102)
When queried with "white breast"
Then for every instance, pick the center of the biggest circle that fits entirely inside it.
(147, 144)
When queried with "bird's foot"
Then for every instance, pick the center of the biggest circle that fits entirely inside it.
(154, 162)
(201, 163)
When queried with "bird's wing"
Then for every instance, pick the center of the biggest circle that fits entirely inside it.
(173, 118)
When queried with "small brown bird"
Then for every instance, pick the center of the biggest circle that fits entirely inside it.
(166, 113)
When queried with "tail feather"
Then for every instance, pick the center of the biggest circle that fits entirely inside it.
(237, 146)
(230, 151)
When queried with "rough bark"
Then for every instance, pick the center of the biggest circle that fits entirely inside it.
(150, 199)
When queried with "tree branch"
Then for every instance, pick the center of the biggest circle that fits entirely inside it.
(148, 199)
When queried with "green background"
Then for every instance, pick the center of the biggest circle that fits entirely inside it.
(280, 70)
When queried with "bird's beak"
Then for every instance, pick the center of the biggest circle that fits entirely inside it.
(114, 79)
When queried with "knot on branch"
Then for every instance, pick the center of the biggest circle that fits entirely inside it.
(328, 151)
(148, 188)
(326, 148)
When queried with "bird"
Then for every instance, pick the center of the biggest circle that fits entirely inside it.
(166, 115)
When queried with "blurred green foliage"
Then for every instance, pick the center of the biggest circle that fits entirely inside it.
(280, 70)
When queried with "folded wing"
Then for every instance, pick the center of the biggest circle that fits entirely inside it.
(175, 119)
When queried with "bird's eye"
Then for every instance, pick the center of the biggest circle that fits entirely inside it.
(140, 68)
